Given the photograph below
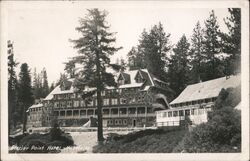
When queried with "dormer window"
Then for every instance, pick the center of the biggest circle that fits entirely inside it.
(121, 80)
(139, 78)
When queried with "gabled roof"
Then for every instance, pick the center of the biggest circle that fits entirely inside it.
(36, 105)
(54, 91)
(129, 74)
(206, 89)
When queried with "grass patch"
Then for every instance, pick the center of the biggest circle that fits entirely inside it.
(147, 141)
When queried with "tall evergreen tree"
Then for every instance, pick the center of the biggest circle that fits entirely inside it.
(70, 68)
(136, 59)
(231, 41)
(52, 86)
(37, 85)
(151, 52)
(12, 86)
(25, 92)
(62, 78)
(95, 46)
(45, 86)
(154, 47)
(197, 54)
(123, 64)
(212, 47)
(178, 68)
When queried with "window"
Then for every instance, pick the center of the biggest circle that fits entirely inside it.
(76, 112)
(138, 78)
(114, 101)
(105, 111)
(62, 113)
(56, 113)
(105, 102)
(181, 113)
(114, 111)
(82, 112)
(170, 114)
(57, 104)
(103, 93)
(121, 82)
(69, 104)
(187, 112)
(124, 122)
(69, 113)
(90, 112)
(76, 103)
(90, 103)
(175, 113)
(123, 101)
(192, 111)
(82, 103)
(164, 114)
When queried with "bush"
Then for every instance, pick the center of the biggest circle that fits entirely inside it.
(55, 132)
(54, 138)
(147, 141)
(222, 132)
(16, 140)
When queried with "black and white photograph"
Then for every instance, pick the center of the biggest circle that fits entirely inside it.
(163, 80)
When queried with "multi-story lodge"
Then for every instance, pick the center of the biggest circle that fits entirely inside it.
(194, 101)
(133, 103)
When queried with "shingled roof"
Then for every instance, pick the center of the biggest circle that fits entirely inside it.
(206, 89)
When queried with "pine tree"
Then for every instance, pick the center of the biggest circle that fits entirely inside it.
(25, 92)
(212, 47)
(70, 68)
(154, 46)
(52, 86)
(151, 52)
(135, 59)
(178, 68)
(37, 88)
(197, 54)
(94, 47)
(62, 78)
(12, 86)
(123, 64)
(231, 42)
(45, 86)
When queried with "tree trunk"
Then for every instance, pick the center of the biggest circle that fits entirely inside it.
(24, 119)
(99, 99)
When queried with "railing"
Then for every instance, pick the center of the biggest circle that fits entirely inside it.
(168, 123)
(89, 129)
(107, 116)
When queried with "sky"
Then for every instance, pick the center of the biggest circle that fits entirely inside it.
(41, 30)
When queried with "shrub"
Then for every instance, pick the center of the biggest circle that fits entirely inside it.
(54, 138)
(55, 132)
(222, 132)
(148, 141)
